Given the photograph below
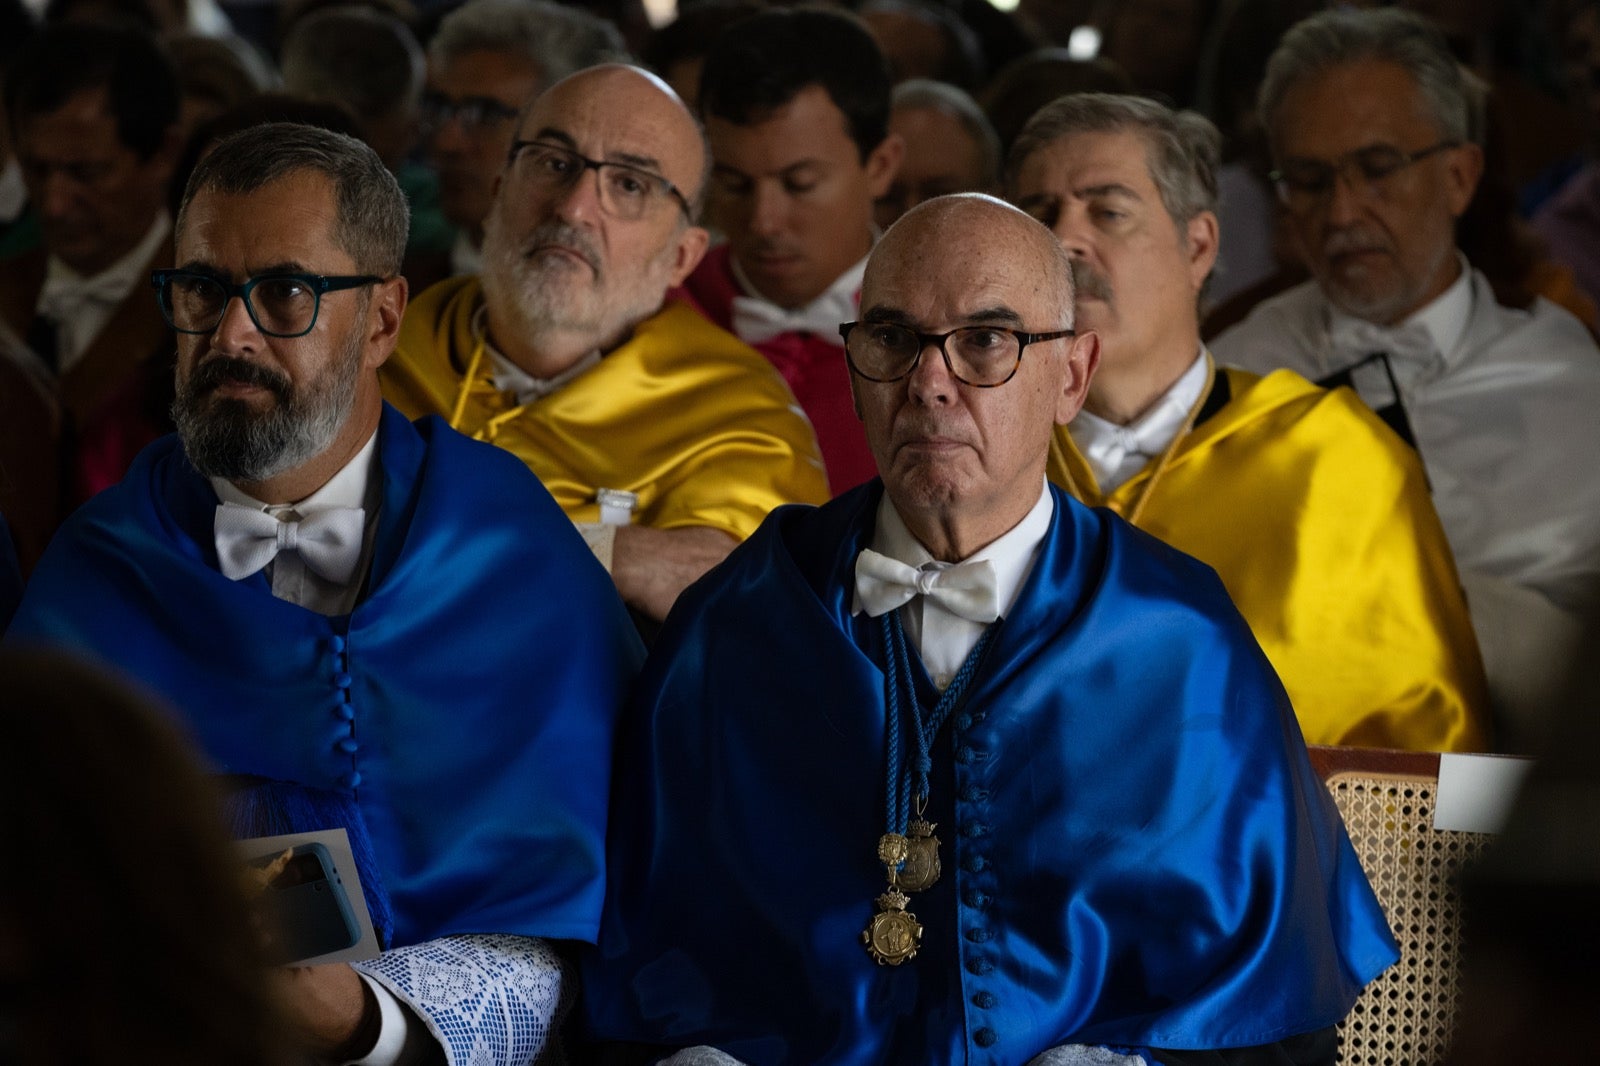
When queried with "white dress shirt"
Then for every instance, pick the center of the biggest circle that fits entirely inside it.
(292, 580)
(756, 319)
(81, 306)
(942, 639)
(1504, 414)
(1116, 453)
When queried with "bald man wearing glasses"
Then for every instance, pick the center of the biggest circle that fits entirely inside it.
(665, 438)
(336, 603)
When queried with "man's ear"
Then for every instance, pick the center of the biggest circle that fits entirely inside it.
(1082, 357)
(1202, 237)
(883, 163)
(1463, 169)
(692, 244)
(384, 314)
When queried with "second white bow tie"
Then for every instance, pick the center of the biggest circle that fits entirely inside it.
(328, 542)
(757, 321)
(965, 589)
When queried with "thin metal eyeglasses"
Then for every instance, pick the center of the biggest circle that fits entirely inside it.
(1304, 183)
(281, 305)
(983, 356)
(626, 191)
(475, 113)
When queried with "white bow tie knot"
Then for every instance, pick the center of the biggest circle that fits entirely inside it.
(328, 541)
(758, 321)
(1410, 347)
(965, 589)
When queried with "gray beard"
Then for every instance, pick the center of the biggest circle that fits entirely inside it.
(231, 440)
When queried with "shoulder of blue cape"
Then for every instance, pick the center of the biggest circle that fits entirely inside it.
(445, 496)
(801, 560)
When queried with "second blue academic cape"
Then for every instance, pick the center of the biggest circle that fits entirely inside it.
(466, 706)
(1136, 850)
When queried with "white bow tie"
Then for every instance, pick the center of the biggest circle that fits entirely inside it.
(62, 297)
(1410, 347)
(965, 589)
(757, 321)
(328, 542)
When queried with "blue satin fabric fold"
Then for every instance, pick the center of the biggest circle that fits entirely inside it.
(478, 678)
(1136, 850)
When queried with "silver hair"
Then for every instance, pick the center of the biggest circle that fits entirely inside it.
(1182, 148)
(942, 96)
(1338, 37)
(557, 40)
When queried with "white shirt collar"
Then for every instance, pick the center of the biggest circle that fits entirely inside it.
(509, 377)
(465, 257)
(350, 487)
(1011, 554)
(1446, 317)
(1116, 453)
(123, 274)
(756, 319)
(13, 192)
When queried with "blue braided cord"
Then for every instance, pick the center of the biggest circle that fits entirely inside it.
(899, 686)
(929, 728)
(894, 798)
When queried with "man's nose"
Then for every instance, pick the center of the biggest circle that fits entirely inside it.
(235, 330)
(930, 381)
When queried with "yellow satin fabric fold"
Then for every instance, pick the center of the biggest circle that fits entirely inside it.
(1319, 522)
(683, 414)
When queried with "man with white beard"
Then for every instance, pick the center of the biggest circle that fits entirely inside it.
(666, 439)
(338, 605)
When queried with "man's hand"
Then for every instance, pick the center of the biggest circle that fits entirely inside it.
(327, 1007)
(652, 566)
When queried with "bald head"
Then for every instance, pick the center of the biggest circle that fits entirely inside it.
(980, 229)
(983, 289)
(648, 115)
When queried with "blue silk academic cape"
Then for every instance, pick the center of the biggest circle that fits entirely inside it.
(1136, 850)
(468, 703)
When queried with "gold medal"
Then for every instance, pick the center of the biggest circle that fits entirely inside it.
(921, 867)
(894, 934)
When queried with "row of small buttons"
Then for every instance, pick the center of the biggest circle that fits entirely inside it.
(344, 709)
(971, 830)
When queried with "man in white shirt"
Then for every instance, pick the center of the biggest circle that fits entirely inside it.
(1367, 115)
(1136, 853)
(93, 112)
(337, 604)
(796, 107)
(1314, 514)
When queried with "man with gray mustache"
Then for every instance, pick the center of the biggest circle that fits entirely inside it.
(1370, 124)
(666, 439)
(1315, 517)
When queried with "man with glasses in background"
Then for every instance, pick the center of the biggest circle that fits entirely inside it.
(664, 437)
(344, 610)
(1369, 122)
(955, 769)
(1315, 517)
(488, 59)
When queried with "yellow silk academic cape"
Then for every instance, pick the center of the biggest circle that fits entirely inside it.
(1319, 522)
(682, 414)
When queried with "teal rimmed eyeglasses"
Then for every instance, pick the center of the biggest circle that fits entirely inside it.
(281, 305)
